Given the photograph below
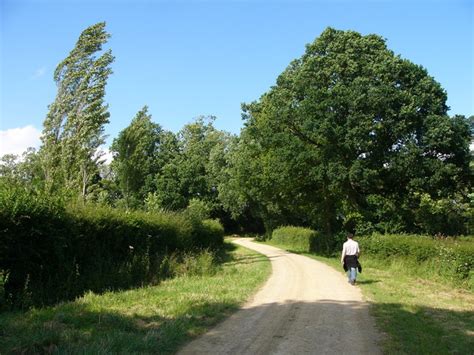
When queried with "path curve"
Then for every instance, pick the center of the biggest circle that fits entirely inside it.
(305, 307)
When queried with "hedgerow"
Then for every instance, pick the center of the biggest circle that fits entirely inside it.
(51, 252)
(297, 239)
(450, 257)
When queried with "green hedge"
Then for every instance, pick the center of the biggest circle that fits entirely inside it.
(210, 233)
(50, 253)
(297, 239)
(452, 258)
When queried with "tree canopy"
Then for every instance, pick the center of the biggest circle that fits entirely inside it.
(74, 127)
(350, 137)
(352, 134)
(137, 152)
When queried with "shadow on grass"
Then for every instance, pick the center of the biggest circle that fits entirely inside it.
(319, 326)
(426, 330)
(247, 260)
(326, 325)
(223, 254)
(367, 282)
(75, 328)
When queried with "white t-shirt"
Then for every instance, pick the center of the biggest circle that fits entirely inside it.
(351, 247)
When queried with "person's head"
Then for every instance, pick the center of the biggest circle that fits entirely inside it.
(350, 235)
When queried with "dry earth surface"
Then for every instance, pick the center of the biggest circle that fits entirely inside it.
(305, 307)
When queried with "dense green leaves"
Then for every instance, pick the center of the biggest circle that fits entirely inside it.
(351, 136)
(74, 127)
(350, 128)
(195, 171)
(138, 157)
(51, 252)
(296, 238)
(452, 258)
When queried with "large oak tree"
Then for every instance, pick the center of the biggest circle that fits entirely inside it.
(351, 132)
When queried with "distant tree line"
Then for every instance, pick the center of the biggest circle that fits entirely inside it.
(351, 137)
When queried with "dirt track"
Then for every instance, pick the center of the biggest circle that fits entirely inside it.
(305, 307)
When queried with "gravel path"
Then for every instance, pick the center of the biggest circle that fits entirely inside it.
(305, 307)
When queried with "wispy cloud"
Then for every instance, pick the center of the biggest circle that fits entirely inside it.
(17, 140)
(39, 73)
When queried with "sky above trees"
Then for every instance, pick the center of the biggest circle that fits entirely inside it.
(190, 58)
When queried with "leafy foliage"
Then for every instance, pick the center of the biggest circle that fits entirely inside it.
(350, 128)
(296, 238)
(51, 253)
(137, 157)
(194, 172)
(453, 258)
(22, 170)
(74, 127)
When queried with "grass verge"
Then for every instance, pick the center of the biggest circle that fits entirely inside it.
(156, 319)
(417, 314)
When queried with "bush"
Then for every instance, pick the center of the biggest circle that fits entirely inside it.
(50, 253)
(297, 239)
(33, 236)
(446, 216)
(452, 258)
(209, 234)
(198, 209)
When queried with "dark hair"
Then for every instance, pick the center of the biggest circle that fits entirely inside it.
(350, 235)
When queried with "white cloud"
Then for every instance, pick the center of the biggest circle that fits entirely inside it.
(108, 156)
(105, 155)
(39, 73)
(17, 140)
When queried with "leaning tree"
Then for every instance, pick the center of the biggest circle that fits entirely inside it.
(74, 127)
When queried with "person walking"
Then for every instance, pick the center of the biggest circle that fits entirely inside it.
(350, 258)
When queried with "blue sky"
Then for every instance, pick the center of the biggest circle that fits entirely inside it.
(189, 58)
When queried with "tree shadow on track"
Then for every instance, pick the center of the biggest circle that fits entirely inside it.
(74, 327)
(420, 330)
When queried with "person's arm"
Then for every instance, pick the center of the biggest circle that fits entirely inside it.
(343, 254)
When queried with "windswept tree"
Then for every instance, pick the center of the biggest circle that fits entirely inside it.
(353, 132)
(74, 127)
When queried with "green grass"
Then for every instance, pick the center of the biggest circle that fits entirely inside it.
(156, 319)
(418, 314)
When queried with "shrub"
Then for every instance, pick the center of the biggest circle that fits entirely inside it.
(297, 239)
(198, 209)
(452, 258)
(50, 253)
(33, 238)
(445, 215)
(209, 234)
